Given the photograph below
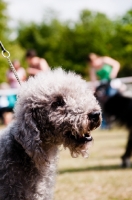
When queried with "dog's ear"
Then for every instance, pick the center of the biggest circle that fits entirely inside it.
(29, 138)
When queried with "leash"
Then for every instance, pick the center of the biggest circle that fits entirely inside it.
(4, 52)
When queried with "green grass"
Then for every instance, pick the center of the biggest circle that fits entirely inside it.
(98, 177)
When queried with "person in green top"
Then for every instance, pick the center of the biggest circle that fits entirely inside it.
(102, 68)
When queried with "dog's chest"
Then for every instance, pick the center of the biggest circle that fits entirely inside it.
(46, 182)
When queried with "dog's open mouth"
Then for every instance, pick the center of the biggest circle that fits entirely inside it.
(86, 137)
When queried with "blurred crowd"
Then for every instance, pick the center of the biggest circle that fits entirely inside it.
(8, 90)
(102, 68)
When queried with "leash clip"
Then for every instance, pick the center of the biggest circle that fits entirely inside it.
(4, 51)
(8, 59)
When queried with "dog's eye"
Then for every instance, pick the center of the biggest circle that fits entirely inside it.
(59, 102)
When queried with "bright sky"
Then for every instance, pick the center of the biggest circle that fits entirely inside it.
(34, 10)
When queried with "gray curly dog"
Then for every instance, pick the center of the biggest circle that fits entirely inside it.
(53, 109)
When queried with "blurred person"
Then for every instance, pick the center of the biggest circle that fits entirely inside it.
(105, 69)
(36, 64)
(7, 118)
(102, 68)
(7, 103)
(11, 79)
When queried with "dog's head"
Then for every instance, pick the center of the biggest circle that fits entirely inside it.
(72, 120)
(57, 108)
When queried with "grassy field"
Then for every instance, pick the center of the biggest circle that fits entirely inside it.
(98, 177)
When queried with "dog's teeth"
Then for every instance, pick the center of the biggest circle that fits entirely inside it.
(89, 137)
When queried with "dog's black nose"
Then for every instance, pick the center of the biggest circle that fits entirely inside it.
(94, 116)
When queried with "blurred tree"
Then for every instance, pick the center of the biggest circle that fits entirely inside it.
(67, 44)
(90, 34)
(44, 38)
(122, 43)
(3, 20)
(16, 52)
(4, 31)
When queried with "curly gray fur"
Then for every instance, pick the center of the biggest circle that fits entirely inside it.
(52, 109)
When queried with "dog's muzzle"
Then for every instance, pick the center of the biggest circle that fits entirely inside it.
(84, 136)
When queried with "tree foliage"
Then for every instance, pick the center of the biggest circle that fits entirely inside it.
(3, 20)
(4, 30)
(13, 47)
(67, 44)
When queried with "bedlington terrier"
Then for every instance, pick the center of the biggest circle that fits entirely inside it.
(53, 109)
